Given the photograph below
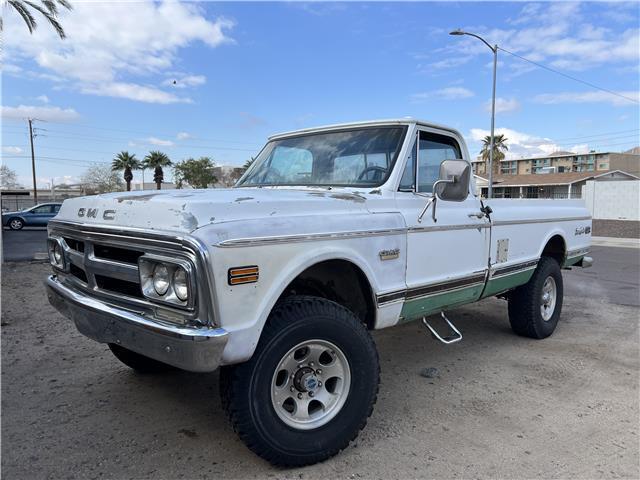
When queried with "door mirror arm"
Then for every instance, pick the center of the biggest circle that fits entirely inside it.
(433, 200)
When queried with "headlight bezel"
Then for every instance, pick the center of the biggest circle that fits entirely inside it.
(146, 267)
(56, 244)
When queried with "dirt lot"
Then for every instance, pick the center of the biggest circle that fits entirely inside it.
(501, 406)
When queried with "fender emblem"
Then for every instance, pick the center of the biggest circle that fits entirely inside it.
(389, 254)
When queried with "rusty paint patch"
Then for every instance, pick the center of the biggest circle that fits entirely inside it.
(189, 222)
(350, 197)
(138, 198)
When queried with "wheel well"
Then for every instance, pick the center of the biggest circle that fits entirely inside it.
(555, 248)
(340, 281)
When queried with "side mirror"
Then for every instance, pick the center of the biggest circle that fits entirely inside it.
(452, 185)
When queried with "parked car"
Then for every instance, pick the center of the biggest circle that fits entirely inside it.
(332, 232)
(37, 216)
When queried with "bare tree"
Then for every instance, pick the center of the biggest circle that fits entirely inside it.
(99, 178)
(8, 178)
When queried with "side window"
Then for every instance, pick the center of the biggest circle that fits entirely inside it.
(42, 209)
(56, 208)
(408, 181)
(432, 151)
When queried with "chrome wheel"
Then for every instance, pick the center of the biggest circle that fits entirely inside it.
(16, 224)
(548, 299)
(310, 384)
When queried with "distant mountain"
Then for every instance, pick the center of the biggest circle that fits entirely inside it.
(633, 151)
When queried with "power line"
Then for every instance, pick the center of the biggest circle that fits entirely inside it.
(600, 134)
(145, 133)
(570, 77)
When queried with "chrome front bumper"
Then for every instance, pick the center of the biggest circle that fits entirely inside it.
(193, 349)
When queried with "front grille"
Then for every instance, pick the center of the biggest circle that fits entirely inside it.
(105, 268)
(78, 273)
(103, 264)
(74, 244)
(118, 254)
(131, 289)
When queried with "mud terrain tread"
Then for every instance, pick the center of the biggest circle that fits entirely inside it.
(234, 385)
(524, 302)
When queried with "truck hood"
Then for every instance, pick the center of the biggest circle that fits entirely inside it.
(188, 210)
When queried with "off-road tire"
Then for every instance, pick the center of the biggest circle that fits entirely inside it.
(137, 362)
(245, 388)
(524, 302)
(19, 223)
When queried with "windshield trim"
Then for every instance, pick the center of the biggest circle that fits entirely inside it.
(403, 136)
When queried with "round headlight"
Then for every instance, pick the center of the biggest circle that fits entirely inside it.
(160, 279)
(57, 253)
(180, 285)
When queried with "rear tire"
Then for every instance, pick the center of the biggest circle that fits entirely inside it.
(534, 308)
(137, 362)
(16, 223)
(270, 398)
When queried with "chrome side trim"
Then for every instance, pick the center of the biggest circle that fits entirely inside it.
(577, 252)
(500, 223)
(310, 237)
(431, 289)
(512, 269)
(441, 228)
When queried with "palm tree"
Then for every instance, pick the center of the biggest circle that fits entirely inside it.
(499, 147)
(49, 9)
(157, 160)
(127, 162)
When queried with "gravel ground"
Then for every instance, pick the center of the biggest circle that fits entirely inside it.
(616, 228)
(498, 406)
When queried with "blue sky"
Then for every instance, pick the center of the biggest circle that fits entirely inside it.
(245, 70)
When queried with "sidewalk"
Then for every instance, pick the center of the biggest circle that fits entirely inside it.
(616, 242)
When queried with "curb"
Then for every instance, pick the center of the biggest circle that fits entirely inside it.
(615, 242)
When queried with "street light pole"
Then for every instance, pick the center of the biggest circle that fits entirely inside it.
(494, 49)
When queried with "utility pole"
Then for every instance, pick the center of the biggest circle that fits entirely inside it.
(33, 163)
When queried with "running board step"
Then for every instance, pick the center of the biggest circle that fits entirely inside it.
(454, 335)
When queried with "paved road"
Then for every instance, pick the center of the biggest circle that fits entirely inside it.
(23, 245)
(501, 406)
(614, 277)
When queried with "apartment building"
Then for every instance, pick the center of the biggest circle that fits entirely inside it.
(565, 162)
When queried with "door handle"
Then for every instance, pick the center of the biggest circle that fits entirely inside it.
(477, 215)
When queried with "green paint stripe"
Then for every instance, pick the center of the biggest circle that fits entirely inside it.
(572, 261)
(418, 308)
(507, 282)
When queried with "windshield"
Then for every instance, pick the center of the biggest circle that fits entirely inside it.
(361, 157)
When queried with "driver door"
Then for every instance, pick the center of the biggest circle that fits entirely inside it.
(446, 258)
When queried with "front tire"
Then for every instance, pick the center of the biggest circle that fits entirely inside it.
(534, 308)
(16, 224)
(309, 387)
(139, 363)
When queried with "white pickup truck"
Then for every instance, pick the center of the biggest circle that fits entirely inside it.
(332, 232)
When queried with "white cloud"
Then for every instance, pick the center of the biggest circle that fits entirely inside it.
(589, 97)
(503, 105)
(159, 142)
(52, 114)
(559, 34)
(116, 48)
(133, 91)
(11, 150)
(183, 136)
(520, 144)
(185, 81)
(448, 93)
(43, 98)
